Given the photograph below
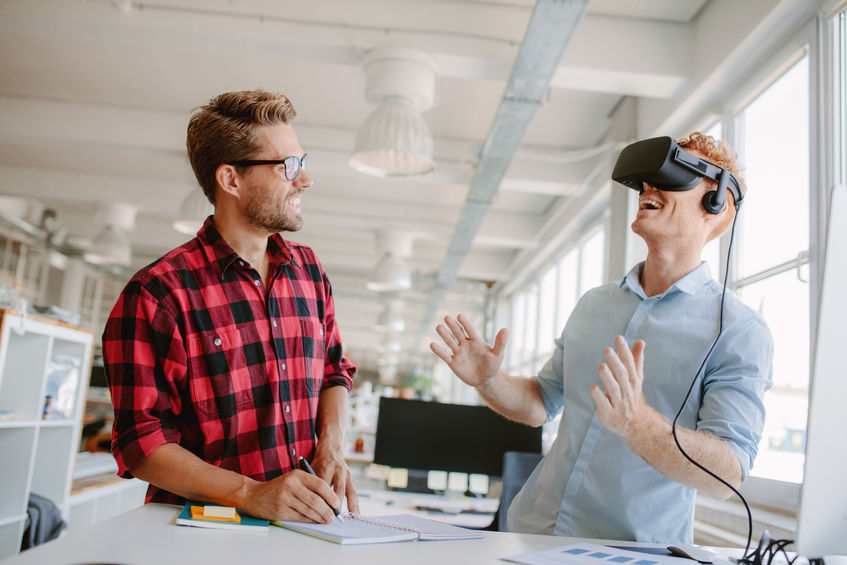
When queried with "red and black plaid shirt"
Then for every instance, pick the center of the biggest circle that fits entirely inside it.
(199, 353)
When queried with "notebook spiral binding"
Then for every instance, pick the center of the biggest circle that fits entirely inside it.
(380, 523)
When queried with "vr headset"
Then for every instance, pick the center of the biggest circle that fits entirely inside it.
(661, 163)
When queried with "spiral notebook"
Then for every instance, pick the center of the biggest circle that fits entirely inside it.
(357, 529)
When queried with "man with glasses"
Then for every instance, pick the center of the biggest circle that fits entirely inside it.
(223, 357)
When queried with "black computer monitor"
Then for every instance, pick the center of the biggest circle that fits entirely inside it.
(414, 434)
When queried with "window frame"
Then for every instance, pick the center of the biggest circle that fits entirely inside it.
(818, 39)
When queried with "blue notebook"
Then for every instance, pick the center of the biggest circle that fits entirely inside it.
(245, 523)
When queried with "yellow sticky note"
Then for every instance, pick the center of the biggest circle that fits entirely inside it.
(219, 513)
(398, 478)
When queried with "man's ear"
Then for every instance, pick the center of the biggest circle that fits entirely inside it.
(229, 181)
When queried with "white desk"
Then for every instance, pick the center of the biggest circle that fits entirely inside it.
(148, 535)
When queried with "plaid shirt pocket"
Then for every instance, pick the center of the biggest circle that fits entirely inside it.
(219, 374)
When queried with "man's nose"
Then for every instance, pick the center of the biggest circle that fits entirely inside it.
(303, 180)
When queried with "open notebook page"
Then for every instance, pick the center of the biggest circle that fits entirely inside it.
(356, 529)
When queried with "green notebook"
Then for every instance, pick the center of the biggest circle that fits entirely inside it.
(245, 523)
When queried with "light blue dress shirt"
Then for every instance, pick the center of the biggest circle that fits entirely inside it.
(590, 484)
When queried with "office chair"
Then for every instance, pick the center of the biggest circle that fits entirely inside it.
(517, 467)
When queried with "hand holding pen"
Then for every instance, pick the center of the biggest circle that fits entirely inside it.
(304, 466)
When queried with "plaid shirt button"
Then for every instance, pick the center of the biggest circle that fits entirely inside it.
(282, 366)
(217, 341)
(257, 282)
(287, 408)
(274, 323)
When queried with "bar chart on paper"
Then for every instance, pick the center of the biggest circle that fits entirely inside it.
(590, 554)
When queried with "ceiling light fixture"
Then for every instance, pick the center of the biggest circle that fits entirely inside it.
(111, 246)
(391, 317)
(395, 140)
(193, 210)
(392, 273)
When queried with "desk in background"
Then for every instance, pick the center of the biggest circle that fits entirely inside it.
(459, 511)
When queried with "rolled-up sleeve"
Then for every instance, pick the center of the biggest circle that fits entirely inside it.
(144, 356)
(338, 370)
(736, 380)
(551, 382)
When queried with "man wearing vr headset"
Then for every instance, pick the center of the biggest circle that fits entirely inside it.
(223, 357)
(614, 471)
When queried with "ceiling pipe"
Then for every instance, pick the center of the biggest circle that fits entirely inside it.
(550, 30)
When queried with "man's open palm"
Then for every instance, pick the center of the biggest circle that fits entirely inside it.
(466, 353)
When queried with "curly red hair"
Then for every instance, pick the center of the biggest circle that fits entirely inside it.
(719, 153)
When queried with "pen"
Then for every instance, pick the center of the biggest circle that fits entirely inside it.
(304, 466)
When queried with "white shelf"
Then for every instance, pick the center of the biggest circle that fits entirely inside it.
(10, 538)
(12, 519)
(97, 502)
(38, 423)
(18, 423)
(57, 423)
(39, 358)
(90, 464)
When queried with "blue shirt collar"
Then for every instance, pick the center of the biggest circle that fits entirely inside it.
(689, 284)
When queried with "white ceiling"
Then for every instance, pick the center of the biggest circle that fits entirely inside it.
(95, 96)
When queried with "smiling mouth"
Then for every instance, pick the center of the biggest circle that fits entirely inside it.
(649, 204)
(293, 203)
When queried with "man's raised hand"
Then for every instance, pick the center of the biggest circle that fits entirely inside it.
(466, 353)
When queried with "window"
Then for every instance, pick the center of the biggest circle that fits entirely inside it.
(518, 323)
(771, 273)
(530, 334)
(591, 262)
(539, 312)
(712, 251)
(547, 329)
(568, 287)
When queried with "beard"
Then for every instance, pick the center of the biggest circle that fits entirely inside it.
(267, 213)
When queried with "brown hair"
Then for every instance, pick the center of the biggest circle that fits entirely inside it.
(225, 130)
(719, 153)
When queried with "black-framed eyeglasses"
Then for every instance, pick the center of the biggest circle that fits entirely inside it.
(293, 165)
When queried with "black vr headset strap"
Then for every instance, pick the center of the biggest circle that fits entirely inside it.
(713, 201)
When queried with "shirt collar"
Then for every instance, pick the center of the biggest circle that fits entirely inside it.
(689, 284)
(220, 253)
